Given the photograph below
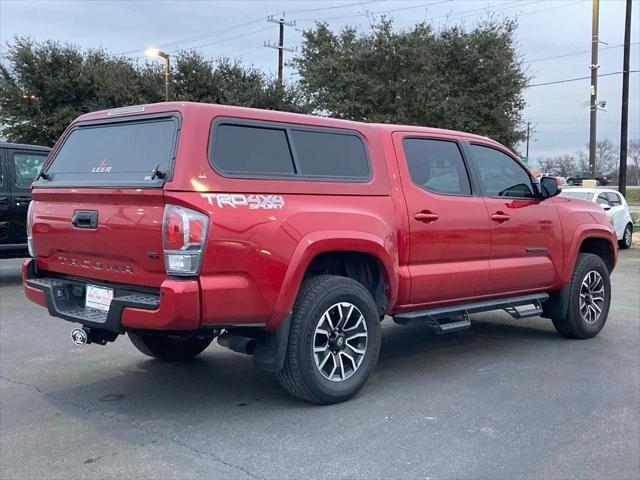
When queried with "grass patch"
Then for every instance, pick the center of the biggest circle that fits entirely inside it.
(633, 196)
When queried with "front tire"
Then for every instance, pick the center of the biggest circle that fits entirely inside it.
(171, 348)
(627, 237)
(334, 341)
(589, 299)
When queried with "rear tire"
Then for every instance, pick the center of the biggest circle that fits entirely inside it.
(334, 341)
(171, 348)
(589, 299)
(627, 238)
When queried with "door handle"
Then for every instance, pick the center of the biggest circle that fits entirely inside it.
(4, 200)
(426, 216)
(22, 201)
(500, 217)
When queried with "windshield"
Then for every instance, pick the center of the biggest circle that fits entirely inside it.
(574, 194)
(115, 154)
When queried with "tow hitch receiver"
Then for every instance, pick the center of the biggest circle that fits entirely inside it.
(83, 336)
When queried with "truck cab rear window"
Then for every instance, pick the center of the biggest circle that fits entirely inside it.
(116, 154)
(281, 150)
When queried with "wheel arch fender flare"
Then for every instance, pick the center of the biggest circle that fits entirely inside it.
(319, 242)
(582, 233)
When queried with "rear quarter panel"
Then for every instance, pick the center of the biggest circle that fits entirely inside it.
(255, 258)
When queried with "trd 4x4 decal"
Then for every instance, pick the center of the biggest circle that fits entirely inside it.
(254, 201)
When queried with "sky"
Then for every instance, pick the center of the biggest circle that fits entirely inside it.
(558, 113)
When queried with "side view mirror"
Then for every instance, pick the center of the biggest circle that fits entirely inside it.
(549, 187)
(605, 206)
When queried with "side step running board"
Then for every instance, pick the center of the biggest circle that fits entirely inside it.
(441, 320)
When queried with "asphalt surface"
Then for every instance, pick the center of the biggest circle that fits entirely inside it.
(506, 399)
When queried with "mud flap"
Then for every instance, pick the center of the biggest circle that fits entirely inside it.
(272, 348)
(558, 303)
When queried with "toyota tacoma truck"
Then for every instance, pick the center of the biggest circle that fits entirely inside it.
(290, 237)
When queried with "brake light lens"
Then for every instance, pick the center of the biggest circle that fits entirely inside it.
(184, 234)
(30, 246)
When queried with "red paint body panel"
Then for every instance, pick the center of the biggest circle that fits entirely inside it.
(254, 260)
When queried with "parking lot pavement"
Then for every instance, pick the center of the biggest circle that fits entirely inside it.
(505, 399)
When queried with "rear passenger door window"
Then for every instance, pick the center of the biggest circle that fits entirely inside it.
(501, 175)
(27, 166)
(437, 166)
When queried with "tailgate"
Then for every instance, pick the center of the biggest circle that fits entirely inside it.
(98, 204)
(124, 245)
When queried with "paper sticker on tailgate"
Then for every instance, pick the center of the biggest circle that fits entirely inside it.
(99, 298)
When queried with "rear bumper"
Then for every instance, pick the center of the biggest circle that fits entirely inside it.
(174, 306)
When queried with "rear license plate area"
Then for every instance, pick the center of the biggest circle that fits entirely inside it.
(98, 298)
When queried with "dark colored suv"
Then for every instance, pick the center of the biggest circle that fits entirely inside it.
(602, 179)
(19, 165)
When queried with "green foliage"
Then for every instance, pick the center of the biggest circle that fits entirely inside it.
(44, 86)
(458, 79)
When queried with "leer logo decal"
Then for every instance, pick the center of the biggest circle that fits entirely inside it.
(103, 167)
(254, 201)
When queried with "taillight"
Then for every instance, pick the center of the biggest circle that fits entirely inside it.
(184, 234)
(32, 250)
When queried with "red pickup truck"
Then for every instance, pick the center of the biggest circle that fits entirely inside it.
(290, 237)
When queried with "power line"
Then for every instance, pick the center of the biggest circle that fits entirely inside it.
(197, 37)
(551, 8)
(374, 13)
(231, 38)
(575, 53)
(307, 10)
(234, 27)
(212, 34)
(480, 11)
(579, 78)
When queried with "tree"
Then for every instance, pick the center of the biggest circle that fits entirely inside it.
(228, 82)
(465, 80)
(633, 155)
(561, 166)
(44, 86)
(606, 156)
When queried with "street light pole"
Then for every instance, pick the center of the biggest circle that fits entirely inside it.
(154, 52)
(167, 72)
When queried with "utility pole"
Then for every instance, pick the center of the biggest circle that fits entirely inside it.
(280, 46)
(593, 103)
(624, 121)
(528, 131)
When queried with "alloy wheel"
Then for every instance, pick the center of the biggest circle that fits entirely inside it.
(340, 341)
(592, 297)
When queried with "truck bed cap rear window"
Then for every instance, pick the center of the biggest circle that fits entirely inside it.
(120, 153)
